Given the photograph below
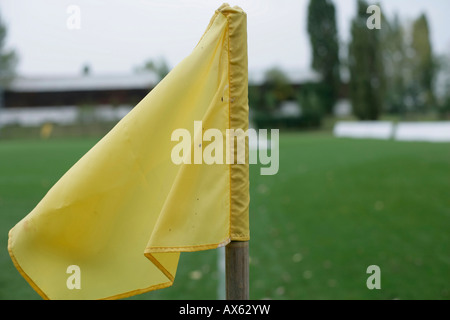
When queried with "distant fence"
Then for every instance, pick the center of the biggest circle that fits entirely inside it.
(366, 129)
(438, 131)
(423, 131)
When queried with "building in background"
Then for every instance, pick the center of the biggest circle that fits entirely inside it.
(64, 100)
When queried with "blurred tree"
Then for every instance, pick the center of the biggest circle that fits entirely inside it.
(86, 69)
(8, 62)
(442, 86)
(396, 64)
(311, 101)
(366, 67)
(159, 67)
(255, 97)
(276, 88)
(424, 66)
(8, 58)
(325, 47)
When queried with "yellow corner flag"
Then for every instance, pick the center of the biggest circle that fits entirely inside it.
(114, 225)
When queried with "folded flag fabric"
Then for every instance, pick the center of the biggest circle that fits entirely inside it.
(114, 225)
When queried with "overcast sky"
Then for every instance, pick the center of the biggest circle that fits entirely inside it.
(118, 35)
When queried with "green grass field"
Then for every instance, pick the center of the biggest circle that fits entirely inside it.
(335, 207)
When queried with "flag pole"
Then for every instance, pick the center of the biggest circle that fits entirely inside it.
(237, 251)
(237, 271)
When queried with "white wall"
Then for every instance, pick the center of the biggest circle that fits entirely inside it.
(438, 131)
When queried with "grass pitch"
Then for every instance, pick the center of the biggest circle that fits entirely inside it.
(335, 207)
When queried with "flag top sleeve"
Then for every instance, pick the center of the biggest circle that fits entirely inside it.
(125, 211)
(237, 26)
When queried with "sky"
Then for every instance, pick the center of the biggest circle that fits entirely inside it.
(116, 36)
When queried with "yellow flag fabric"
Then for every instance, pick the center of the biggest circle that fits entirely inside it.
(124, 212)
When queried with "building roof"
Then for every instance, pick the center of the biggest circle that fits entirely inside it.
(127, 81)
(84, 83)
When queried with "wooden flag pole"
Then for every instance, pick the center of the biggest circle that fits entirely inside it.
(236, 270)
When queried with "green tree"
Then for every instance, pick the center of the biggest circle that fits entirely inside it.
(86, 69)
(159, 67)
(276, 88)
(366, 67)
(442, 86)
(323, 36)
(8, 58)
(396, 64)
(421, 86)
